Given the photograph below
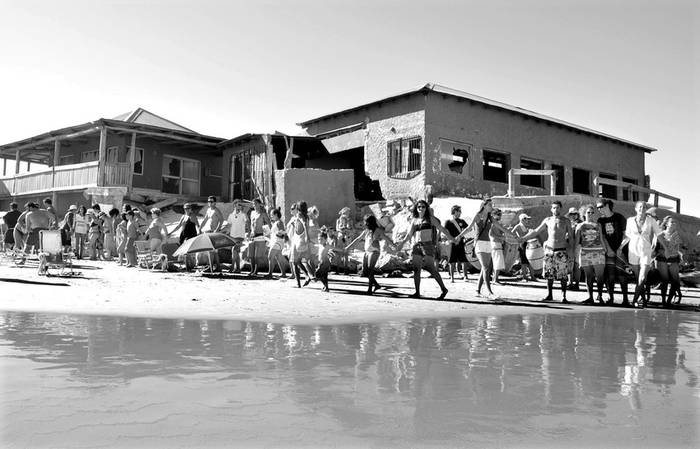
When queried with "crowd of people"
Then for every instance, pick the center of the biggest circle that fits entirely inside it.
(605, 248)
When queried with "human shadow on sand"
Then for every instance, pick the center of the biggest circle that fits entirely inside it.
(26, 281)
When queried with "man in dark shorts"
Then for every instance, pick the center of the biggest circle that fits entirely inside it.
(11, 221)
(37, 220)
(613, 225)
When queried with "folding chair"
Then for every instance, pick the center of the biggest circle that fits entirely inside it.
(144, 256)
(53, 255)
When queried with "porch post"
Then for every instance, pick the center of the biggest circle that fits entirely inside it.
(102, 157)
(56, 158)
(4, 166)
(132, 161)
(553, 183)
(17, 162)
(511, 183)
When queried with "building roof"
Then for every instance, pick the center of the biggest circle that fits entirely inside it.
(142, 116)
(249, 136)
(432, 87)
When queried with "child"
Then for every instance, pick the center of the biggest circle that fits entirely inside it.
(121, 240)
(372, 234)
(344, 230)
(277, 234)
(324, 262)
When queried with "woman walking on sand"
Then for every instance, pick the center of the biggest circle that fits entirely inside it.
(190, 228)
(483, 222)
(301, 247)
(424, 249)
(373, 235)
(277, 235)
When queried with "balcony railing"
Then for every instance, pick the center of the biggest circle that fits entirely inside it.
(64, 177)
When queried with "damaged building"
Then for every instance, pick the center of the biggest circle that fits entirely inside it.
(465, 145)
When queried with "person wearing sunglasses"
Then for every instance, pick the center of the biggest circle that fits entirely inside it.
(213, 219)
(425, 228)
(613, 226)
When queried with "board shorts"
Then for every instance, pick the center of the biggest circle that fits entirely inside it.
(591, 257)
(556, 264)
(482, 246)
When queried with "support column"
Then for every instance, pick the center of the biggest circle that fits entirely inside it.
(56, 159)
(511, 183)
(17, 162)
(132, 162)
(102, 157)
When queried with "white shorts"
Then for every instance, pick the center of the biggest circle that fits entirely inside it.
(483, 246)
(638, 259)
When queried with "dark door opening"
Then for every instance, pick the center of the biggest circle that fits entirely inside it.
(559, 188)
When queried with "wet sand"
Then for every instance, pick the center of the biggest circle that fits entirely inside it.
(107, 289)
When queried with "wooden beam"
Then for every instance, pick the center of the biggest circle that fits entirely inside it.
(56, 159)
(102, 156)
(52, 138)
(132, 161)
(162, 135)
(17, 161)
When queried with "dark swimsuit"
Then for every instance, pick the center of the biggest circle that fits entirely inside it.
(188, 231)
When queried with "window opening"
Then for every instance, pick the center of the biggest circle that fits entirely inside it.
(531, 180)
(404, 157)
(180, 176)
(581, 181)
(496, 166)
(606, 190)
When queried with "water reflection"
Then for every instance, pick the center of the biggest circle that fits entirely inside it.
(517, 380)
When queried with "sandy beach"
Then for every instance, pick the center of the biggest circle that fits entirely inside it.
(104, 288)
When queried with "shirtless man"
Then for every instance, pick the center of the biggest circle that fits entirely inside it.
(48, 205)
(213, 219)
(558, 249)
(36, 220)
(20, 232)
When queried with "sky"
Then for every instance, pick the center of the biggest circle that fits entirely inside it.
(628, 68)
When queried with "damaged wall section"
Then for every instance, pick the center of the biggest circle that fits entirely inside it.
(329, 190)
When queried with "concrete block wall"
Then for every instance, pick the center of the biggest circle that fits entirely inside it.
(329, 190)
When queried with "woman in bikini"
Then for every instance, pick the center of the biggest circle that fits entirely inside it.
(424, 228)
(372, 235)
(301, 247)
(668, 261)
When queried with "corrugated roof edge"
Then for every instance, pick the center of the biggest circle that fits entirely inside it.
(461, 94)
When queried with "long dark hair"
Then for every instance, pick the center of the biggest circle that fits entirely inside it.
(371, 222)
(414, 211)
(302, 208)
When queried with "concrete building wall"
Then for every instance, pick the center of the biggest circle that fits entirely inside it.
(329, 190)
(483, 127)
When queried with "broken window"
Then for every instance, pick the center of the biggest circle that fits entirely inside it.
(581, 181)
(606, 190)
(496, 166)
(404, 157)
(247, 174)
(454, 156)
(531, 180)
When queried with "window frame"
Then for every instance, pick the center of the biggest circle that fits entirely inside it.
(539, 178)
(573, 181)
(181, 178)
(448, 148)
(398, 165)
(83, 153)
(507, 164)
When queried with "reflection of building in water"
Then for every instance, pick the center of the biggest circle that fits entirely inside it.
(429, 375)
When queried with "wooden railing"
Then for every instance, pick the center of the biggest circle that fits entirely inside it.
(513, 172)
(117, 174)
(64, 177)
(598, 183)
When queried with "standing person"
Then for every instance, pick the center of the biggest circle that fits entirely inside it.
(290, 232)
(497, 237)
(94, 232)
(557, 249)
(213, 218)
(80, 231)
(68, 226)
(20, 233)
(482, 245)
(109, 228)
(11, 222)
(239, 228)
(300, 243)
(324, 249)
(613, 226)
(458, 255)
(190, 228)
(668, 261)
(639, 233)
(277, 235)
(48, 205)
(424, 229)
(132, 233)
(520, 229)
(121, 233)
(257, 246)
(314, 229)
(575, 270)
(592, 248)
(36, 220)
(156, 232)
(373, 234)
(345, 232)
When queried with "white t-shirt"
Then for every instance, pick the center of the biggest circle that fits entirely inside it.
(238, 221)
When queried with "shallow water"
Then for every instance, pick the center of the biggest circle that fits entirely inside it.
(601, 379)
